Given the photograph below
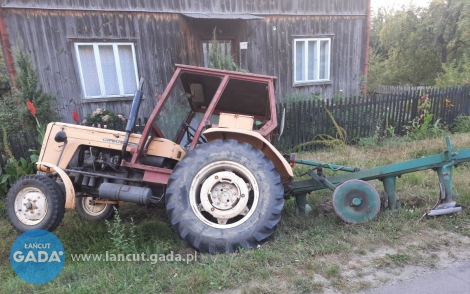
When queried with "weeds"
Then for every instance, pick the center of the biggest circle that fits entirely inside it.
(421, 127)
(123, 238)
(336, 140)
(461, 124)
(14, 169)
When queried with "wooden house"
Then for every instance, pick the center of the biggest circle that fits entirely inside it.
(90, 53)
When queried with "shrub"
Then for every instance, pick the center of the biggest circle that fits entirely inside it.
(14, 114)
(220, 60)
(29, 90)
(455, 73)
(11, 114)
(14, 168)
(461, 124)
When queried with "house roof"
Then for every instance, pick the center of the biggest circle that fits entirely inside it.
(211, 15)
(240, 9)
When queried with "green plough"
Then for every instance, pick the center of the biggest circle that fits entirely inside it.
(356, 201)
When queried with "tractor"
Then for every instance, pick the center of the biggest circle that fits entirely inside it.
(206, 154)
(221, 180)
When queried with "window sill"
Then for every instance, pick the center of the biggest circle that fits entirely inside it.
(318, 83)
(107, 99)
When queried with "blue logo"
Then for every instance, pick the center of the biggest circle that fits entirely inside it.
(37, 256)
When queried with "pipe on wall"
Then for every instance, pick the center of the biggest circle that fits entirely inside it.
(367, 45)
(7, 54)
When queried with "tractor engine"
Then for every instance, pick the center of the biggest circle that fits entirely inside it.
(101, 159)
(97, 173)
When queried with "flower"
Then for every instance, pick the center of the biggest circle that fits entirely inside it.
(96, 112)
(39, 129)
(424, 98)
(31, 108)
(104, 117)
(84, 121)
(75, 117)
(448, 102)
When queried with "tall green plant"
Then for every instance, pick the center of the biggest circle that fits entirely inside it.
(29, 90)
(218, 59)
(123, 238)
(337, 139)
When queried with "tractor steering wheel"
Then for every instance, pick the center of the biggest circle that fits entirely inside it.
(191, 132)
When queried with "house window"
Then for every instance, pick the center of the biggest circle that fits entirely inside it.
(312, 60)
(226, 48)
(107, 69)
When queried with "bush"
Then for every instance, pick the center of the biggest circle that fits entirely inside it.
(11, 113)
(220, 60)
(461, 124)
(29, 90)
(455, 73)
(14, 169)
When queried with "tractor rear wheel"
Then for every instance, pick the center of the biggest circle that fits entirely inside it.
(35, 202)
(224, 195)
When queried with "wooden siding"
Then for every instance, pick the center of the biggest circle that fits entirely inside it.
(163, 39)
(297, 7)
(271, 52)
(49, 38)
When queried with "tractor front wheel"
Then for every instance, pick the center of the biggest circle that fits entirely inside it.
(224, 195)
(35, 202)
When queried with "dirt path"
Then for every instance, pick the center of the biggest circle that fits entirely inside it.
(425, 252)
(455, 280)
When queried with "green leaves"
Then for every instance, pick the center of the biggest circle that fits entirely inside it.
(218, 59)
(29, 89)
(13, 171)
(414, 46)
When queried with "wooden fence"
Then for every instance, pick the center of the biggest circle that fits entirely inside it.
(20, 144)
(364, 117)
(359, 117)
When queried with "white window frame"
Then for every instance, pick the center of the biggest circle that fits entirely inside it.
(100, 70)
(305, 59)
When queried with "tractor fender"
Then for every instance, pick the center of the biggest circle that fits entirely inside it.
(257, 141)
(69, 190)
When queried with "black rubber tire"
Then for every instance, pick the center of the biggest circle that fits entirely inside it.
(106, 214)
(255, 229)
(55, 203)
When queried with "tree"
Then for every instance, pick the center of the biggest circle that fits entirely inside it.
(413, 46)
(455, 73)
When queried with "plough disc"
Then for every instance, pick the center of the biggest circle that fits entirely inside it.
(356, 201)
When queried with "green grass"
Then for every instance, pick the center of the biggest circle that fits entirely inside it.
(306, 255)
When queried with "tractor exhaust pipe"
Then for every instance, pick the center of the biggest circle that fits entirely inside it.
(133, 115)
(120, 192)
